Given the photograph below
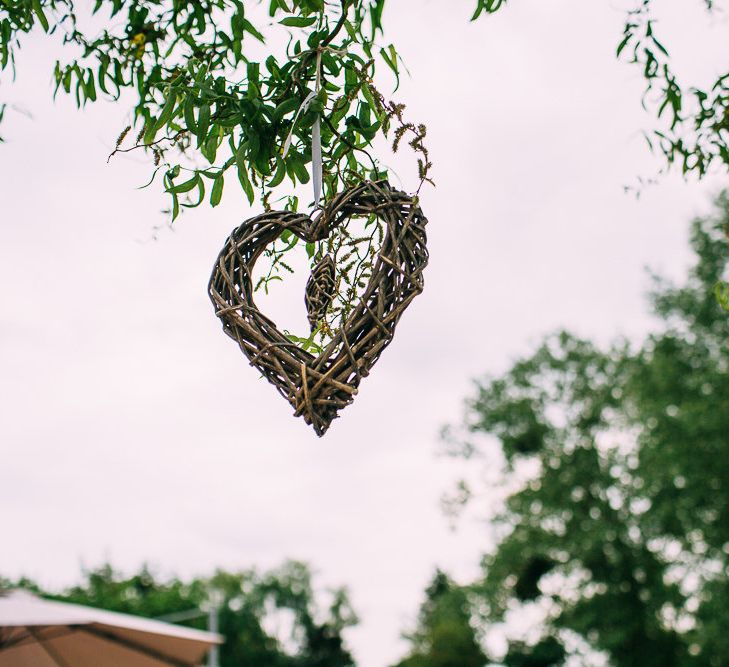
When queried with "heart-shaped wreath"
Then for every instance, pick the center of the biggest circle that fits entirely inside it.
(319, 386)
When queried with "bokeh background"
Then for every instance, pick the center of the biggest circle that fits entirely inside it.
(132, 430)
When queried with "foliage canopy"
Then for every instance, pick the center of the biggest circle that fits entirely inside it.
(237, 87)
(221, 84)
(615, 518)
(215, 92)
(444, 636)
(251, 604)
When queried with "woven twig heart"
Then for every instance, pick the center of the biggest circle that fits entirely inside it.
(318, 387)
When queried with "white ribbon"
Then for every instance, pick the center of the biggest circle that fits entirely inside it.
(316, 160)
(302, 109)
(316, 156)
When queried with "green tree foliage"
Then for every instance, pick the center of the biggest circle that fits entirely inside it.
(249, 603)
(213, 97)
(545, 653)
(216, 93)
(615, 520)
(444, 636)
(694, 129)
(241, 88)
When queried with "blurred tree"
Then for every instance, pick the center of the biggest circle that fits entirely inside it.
(545, 653)
(614, 525)
(444, 636)
(267, 619)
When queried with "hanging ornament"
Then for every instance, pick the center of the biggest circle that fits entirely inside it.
(318, 387)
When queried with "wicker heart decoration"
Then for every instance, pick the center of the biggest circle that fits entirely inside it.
(318, 387)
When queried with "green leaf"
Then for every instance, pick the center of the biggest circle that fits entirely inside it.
(287, 106)
(186, 186)
(90, 86)
(721, 291)
(367, 92)
(175, 207)
(151, 180)
(38, 9)
(150, 131)
(245, 181)
(250, 28)
(167, 110)
(298, 167)
(623, 44)
(210, 148)
(103, 67)
(217, 191)
(376, 16)
(203, 122)
(389, 55)
(659, 46)
(298, 21)
(279, 174)
(291, 240)
(189, 113)
(200, 195)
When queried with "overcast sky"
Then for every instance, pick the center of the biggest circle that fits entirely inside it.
(132, 429)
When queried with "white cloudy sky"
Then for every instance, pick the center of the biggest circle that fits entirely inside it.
(132, 429)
